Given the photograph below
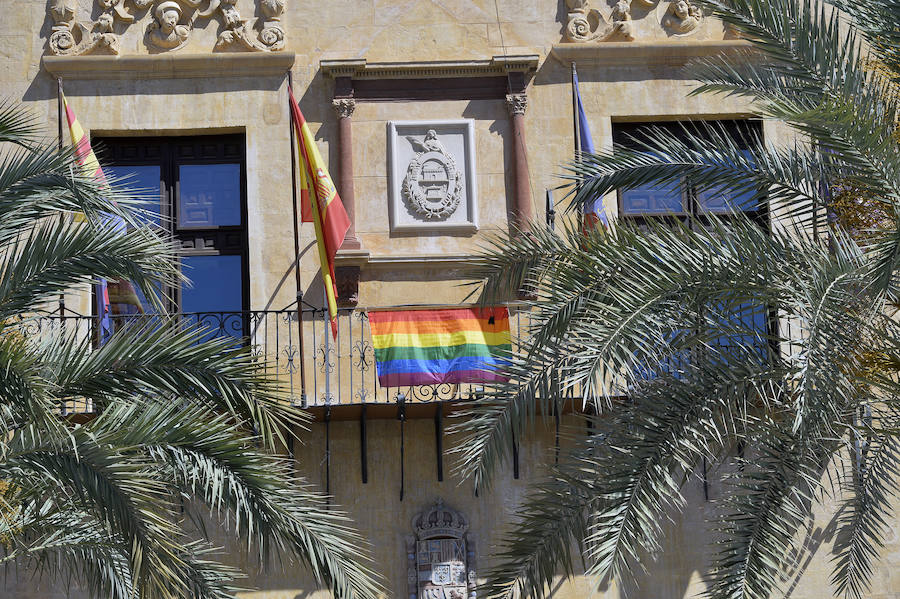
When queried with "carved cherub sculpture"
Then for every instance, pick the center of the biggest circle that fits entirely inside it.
(166, 32)
(684, 17)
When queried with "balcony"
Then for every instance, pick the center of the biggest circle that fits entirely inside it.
(339, 372)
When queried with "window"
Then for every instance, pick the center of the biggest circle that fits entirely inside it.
(693, 207)
(196, 188)
(683, 201)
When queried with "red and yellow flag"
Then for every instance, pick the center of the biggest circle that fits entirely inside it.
(320, 204)
(116, 296)
(84, 154)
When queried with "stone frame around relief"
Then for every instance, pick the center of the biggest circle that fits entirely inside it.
(453, 138)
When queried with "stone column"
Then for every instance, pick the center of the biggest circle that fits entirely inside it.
(521, 212)
(344, 108)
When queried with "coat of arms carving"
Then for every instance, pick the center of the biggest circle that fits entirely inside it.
(441, 555)
(433, 185)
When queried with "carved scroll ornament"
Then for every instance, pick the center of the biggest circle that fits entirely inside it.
(170, 28)
(586, 24)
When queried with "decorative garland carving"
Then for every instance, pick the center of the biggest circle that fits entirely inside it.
(682, 17)
(586, 24)
(433, 184)
(171, 26)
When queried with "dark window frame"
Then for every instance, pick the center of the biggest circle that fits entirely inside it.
(168, 153)
(623, 133)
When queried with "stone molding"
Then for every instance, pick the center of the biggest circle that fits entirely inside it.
(170, 28)
(627, 54)
(442, 261)
(170, 66)
(497, 65)
(343, 107)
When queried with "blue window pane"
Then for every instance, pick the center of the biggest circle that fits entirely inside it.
(215, 298)
(653, 199)
(720, 199)
(750, 331)
(209, 195)
(144, 180)
(216, 284)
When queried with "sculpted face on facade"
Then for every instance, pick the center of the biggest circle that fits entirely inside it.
(682, 17)
(170, 27)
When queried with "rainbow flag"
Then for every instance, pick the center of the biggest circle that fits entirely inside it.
(430, 347)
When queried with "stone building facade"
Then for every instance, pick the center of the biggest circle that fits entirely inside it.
(444, 122)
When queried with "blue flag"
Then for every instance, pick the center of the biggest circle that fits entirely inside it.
(593, 211)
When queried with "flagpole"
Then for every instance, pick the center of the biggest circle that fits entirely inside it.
(297, 248)
(59, 141)
(576, 129)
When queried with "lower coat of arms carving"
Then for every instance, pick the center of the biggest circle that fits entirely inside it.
(432, 186)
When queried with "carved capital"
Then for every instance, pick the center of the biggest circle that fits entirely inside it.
(516, 103)
(344, 107)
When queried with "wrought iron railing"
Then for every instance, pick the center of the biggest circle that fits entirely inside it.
(338, 371)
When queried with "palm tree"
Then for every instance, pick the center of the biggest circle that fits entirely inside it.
(184, 445)
(645, 325)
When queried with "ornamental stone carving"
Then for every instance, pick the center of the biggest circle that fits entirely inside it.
(431, 170)
(441, 555)
(343, 107)
(587, 24)
(70, 36)
(516, 103)
(170, 28)
(682, 17)
(432, 185)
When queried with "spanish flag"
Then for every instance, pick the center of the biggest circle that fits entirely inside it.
(116, 297)
(320, 204)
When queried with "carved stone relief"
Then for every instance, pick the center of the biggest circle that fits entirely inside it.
(682, 17)
(172, 23)
(441, 555)
(587, 24)
(432, 174)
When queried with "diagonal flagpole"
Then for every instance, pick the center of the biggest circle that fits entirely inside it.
(293, 137)
(576, 130)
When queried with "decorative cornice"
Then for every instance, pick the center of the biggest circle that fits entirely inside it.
(343, 107)
(170, 66)
(622, 54)
(498, 65)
